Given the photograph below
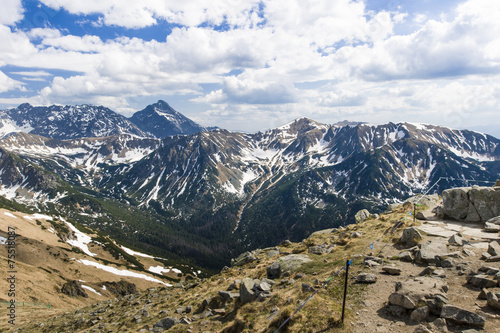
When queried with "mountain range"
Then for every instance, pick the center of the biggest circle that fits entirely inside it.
(208, 195)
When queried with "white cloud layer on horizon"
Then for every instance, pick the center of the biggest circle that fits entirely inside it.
(283, 58)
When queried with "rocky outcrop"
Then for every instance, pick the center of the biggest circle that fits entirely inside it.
(286, 265)
(121, 288)
(471, 204)
(73, 289)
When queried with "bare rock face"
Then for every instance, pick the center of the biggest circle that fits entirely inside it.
(471, 204)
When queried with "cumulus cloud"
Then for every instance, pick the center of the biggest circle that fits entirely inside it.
(12, 11)
(8, 84)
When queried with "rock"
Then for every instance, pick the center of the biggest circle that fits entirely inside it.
(438, 212)
(401, 300)
(430, 249)
(420, 216)
(362, 215)
(393, 206)
(421, 290)
(307, 288)
(286, 264)
(320, 249)
(247, 294)
(392, 270)
(492, 299)
(286, 243)
(74, 289)
(262, 286)
(494, 220)
(471, 204)
(490, 227)
(366, 278)
(355, 235)
(494, 248)
(273, 253)
(420, 314)
(421, 329)
(481, 281)
(405, 256)
(244, 258)
(166, 323)
(395, 310)
(411, 237)
(227, 295)
(457, 239)
(121, 288)
(493, 259)
(462, 316)
(429, 200)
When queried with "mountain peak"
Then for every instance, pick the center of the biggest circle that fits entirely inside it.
(161, 120)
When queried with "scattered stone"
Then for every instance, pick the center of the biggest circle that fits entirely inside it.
(411, 237)
(494, 248)
(355, 235)
(185, 321)
(166, 323)
(401, 300)
(422, 329)
(462, 316)
(420, 216)
(244, 258)
(493, 259)
(362, 215)
(422, 290)
(320, 249)
(457, 239)
(420, 314)
(492, 298)
(490, 227)
(247, 294)
(406, 256)
(307, 288)
(367, 278)
(286, 243)
(485, 256)
(395, 310)
(227, 295)
(220, 312)
(272, 253)
(392, 270)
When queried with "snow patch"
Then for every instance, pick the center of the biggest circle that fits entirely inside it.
(134, 253)
(81, 240)
(91, 289)
(121, 272)
(10, 215)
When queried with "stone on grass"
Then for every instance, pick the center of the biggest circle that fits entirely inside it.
(366, 278)
(421, 216)
(411, 237)
(320, 249)
(243, 259)
(406, 256)
(362, 215)
(286, 265)
(247, 294)
(166, 323)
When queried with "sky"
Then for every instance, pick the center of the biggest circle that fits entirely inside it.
(253, 65)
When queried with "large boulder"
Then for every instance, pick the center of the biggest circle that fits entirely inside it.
(430, 249)
(362, 215)
(422, 290)
(471, 204)
(286, 264)
(243, 259)
(411, 237)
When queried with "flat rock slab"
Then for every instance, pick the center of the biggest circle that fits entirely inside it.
(430, 249)
(392, 270)
(462, 316)
(449, 228)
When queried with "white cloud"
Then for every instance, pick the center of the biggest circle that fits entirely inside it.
(12, 11)
(8, 84)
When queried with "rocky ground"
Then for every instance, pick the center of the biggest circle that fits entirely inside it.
(405, 276)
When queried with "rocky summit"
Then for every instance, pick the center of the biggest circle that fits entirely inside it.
(440, 281)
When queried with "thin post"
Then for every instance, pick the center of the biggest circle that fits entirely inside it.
(414, 212)
(345, 288)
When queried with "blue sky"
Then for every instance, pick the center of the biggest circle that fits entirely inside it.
(252, 65)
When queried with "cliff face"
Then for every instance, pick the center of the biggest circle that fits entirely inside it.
(472, 204)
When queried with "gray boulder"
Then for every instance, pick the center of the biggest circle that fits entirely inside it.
(362, 215)
(286, 264)
(166, 323)
(247, 294)
(366, 278)
(493, 299)
(462, 316)
(457, 239)
(420, 314)
(481, 281)
(243, 259)
(430, 249)
(471, 204)
(420, 216)
(494, 220)
(392, 270)
(320, 249)
(421, 290)
(411, 237)
(490, 227)
(494, 248)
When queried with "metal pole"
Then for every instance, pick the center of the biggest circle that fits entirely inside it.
(414, 212)
(345, 288)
